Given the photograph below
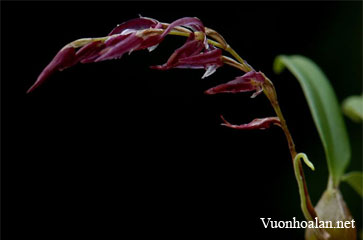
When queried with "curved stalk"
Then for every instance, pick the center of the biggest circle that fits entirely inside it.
(270, 92)
(306, 205)
(299, 174)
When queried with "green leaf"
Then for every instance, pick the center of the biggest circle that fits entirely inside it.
(354, 179)
(353, 108)
(324, 108)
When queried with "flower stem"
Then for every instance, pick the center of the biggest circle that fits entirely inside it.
(270, 92)
(233, 63)
(300, 181)
(307, 207)
(238, 58)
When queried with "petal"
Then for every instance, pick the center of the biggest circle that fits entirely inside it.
(209, 71)
(191, 22)
(255, 76)
(89, 52)
(65, 58)
(102, 48)
(152, 48)
(258, 123)
(130, 43)
(150, 41)
(136, 24)
(204, 59)
(248, 82)
(216, 36)
(258, 91)
(113, 40)
(235, 86)
(209, 60)
(190, 48)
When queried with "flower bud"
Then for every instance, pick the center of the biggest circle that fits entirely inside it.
(331, 208)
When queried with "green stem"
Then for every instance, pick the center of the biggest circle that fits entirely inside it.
(306, 205)
(331, 183)
(238, 58)
(304, 196)
(270, 92)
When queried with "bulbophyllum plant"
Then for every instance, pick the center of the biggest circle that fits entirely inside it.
(204, 49)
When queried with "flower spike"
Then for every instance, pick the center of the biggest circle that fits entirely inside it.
(135, 34)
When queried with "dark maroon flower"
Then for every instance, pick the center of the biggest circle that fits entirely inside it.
(190, 48)
(209, 60)
(190, 56)
(196, 53)
(258, 123)
(251, 81)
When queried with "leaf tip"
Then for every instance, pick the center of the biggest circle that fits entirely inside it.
(278, 65)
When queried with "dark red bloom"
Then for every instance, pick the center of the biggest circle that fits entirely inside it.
(196, 53)
(251, 81)
(190, 55)
(190, 48)
(209, 60)
(258, 123)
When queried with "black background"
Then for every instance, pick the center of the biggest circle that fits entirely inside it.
(117, 149)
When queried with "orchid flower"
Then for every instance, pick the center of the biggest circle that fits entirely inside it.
(251, 81)
(190, 55)
(258, 123)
